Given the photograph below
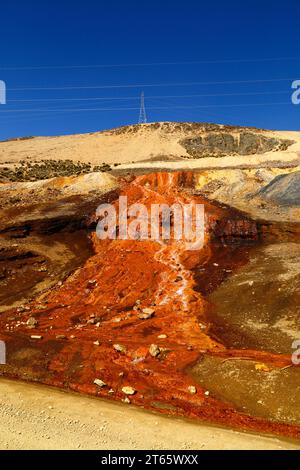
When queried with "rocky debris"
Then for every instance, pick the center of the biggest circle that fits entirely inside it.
(154, 350)
(146, 313)
(128, 390)
(192, 389)
(36, 337)
(163, 336)
(31, 323)
(96, 343)
(206, 393)
(120, 348)
(60, 336)
(99, 383)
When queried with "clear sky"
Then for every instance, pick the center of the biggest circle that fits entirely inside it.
(80, 66)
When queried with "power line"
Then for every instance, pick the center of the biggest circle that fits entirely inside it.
(113, 98)
(94, 87)
(135, 108)
(149, 64)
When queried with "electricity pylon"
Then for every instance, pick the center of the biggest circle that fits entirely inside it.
(143, 117)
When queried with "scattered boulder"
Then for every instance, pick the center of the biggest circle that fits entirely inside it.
(192, 389)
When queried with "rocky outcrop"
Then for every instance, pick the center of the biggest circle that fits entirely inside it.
(224, 143)
(284, 189)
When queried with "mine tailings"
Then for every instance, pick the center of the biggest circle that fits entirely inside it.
(133, 323)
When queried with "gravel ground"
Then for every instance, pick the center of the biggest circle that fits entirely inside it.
(37, 417)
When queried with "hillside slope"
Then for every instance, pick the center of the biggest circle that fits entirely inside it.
(151, 142)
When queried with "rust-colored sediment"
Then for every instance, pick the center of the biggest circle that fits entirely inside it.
(98, 303)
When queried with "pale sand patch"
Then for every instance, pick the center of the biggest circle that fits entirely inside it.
(37, 417)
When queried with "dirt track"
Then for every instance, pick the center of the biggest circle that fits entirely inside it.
(36, 417)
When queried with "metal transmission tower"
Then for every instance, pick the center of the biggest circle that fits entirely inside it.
(143, 117)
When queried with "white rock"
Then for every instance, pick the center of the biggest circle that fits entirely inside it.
(100, 383)
(128, 390)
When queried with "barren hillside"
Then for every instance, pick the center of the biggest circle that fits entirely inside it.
(151, 142)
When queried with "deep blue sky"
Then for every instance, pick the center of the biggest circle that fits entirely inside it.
(66, 33)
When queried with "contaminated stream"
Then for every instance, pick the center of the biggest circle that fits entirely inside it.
(222, 323)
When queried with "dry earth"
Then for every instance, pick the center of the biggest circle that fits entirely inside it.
(35, 417)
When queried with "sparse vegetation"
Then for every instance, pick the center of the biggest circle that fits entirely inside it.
(27, 171)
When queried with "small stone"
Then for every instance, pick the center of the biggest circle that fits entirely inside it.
(192, 389)
(60, 337)
(126, 400)
(215, 264)
(116, 320)
(154, 350)
(121, 374)
(145, 315)
(111, 391)
(250, 283)
(100, 383)
(148, 311)
(96, 343)
(119, 348)
(206, 393)
(162, 336)
(36, 337)
(128, 390)
(31, 322)
(59, 283)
